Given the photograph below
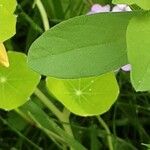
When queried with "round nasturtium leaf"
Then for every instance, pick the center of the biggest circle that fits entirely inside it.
(7, 19)
(85, 96)
(17, 82)
(138, 45)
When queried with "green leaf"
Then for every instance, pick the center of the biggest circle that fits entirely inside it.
(86, 96)
(81, 47)
(17, 82)
(138, 44)
(7, 19)
(145, 4)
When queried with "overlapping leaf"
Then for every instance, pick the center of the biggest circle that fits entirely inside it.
(86, 96)
(17, 82)
(7, 19)
(81, 47)
(138, 43)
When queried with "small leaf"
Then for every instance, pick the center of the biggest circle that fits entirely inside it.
(7, 19)
(81, 47)
(17, 82)
(138, 44)
(86, 96)
(145, 4)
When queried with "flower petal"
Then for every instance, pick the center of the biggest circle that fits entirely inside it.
(3, 56)
(126, 67)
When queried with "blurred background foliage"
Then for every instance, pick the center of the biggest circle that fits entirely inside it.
(128, 119)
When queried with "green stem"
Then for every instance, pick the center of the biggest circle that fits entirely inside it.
(48, 132)
(43, 14)
(62, 116)
(104, 125)
(66, 122)
(23, 115)
(48, 103)
(31, 22)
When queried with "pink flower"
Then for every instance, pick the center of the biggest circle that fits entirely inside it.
(126, 68)
(97, 8)
(121, 7)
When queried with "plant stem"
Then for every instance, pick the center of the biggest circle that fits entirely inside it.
(23, 115)
(109, 139)
(48, 132)
(31, 22)
(43, 14)
(66, 121)
(62, 116)
(48, 103)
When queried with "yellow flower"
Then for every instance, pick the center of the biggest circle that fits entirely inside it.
(3, 56)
